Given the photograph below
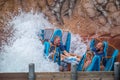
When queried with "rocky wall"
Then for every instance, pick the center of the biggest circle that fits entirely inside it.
(85, 17)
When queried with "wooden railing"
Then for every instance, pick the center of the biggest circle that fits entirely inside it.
(59, 76)
(80, 76)
(73, 75)
(13, 76)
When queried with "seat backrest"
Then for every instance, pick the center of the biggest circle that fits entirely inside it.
(94, 66)
(110, 51)
(95, 41)
(57, 32)
(110, 62)
(81, 63)
(45, 34)
(66, 40)
(48, 34)
(105, 47)
(64, 37)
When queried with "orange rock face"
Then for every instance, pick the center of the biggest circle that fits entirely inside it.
(86, 20)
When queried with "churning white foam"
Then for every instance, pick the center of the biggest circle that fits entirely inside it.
(77, 46)
(26, 47)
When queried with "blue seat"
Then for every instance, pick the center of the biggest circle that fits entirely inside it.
(57, 32)
(81, 63)
(45, 36)
(94, 66)
(105, 47)
(65, 39)
(110, 62)
(46, 48)
(109, 51)
(95, 41)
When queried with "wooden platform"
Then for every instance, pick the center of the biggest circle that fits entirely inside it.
(59, 76)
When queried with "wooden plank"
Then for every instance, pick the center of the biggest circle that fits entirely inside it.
(53, 76)
(81, 76)
(101, 75)
(13, 76)
(96, 75)
(13, 79)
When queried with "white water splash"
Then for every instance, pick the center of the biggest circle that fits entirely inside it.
(77, 46)
(26, 47)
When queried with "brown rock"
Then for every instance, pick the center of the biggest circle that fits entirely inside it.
(115, 42)
(115, 31)
(91, 29)
(102, 20)
(116, 18)
(86, 20)
(104, 30)
(111, 7)
(100, 1)
(88, 5)
(89, 8)
(91, 12)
